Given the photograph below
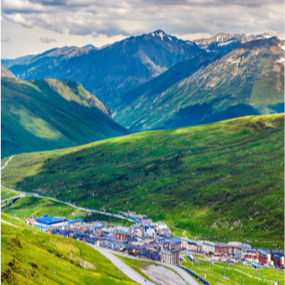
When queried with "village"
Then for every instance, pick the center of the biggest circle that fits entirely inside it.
(154, 241)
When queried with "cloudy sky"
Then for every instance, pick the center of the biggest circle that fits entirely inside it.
(31, 26)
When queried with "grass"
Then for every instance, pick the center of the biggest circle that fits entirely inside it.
(55, 260)
(234, 274)
(222, 181)
(50, 114)
(7, 194)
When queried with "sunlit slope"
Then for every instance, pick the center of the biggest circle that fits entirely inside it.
(26, 259)
(249, 80)
(221, 181)
(49, 114)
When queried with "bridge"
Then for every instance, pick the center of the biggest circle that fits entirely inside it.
(12, 199)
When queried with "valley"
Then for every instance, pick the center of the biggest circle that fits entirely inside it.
(190, 169)
(137, 157)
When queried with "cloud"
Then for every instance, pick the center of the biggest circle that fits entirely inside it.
(5, 39)
(47, 40)
(133, 17)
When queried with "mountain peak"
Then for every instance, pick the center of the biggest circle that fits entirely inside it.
(89, 47)
(159, 33)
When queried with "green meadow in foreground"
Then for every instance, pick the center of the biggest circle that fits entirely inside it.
(55, 260)
(222, 181)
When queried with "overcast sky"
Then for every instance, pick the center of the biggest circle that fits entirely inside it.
(31, 26)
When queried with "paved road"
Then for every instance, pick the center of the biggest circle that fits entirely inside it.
(122, 266)
(187, 277)
(6, 163)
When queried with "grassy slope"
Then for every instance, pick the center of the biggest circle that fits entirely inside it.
(215, 275)
(222, 181)
(246, 81)
(24, 260)
(7, 194)
(50, 114)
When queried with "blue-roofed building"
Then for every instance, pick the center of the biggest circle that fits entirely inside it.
(46, 220)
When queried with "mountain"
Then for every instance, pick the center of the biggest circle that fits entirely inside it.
(249, 80)
(27, 67)
(20, 60)
(90, 47)
(52, 57)
(130, 109)
(113, 69)
(48, 114)
(6, 73)
(225, 42)
(222, 181)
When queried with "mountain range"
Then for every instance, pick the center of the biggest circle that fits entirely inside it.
(249, 80)
(111, 70)
(152, 81)
(224, 42)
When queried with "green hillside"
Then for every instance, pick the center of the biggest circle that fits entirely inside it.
(50, 114)
(249, 80)
(55, 260)
(221, 181)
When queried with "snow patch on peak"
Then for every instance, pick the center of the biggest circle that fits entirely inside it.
(283, 47)
(280, 60)
(225, 43)
(153, 34)
(170, 38)
(160, 34)
(269, 36)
